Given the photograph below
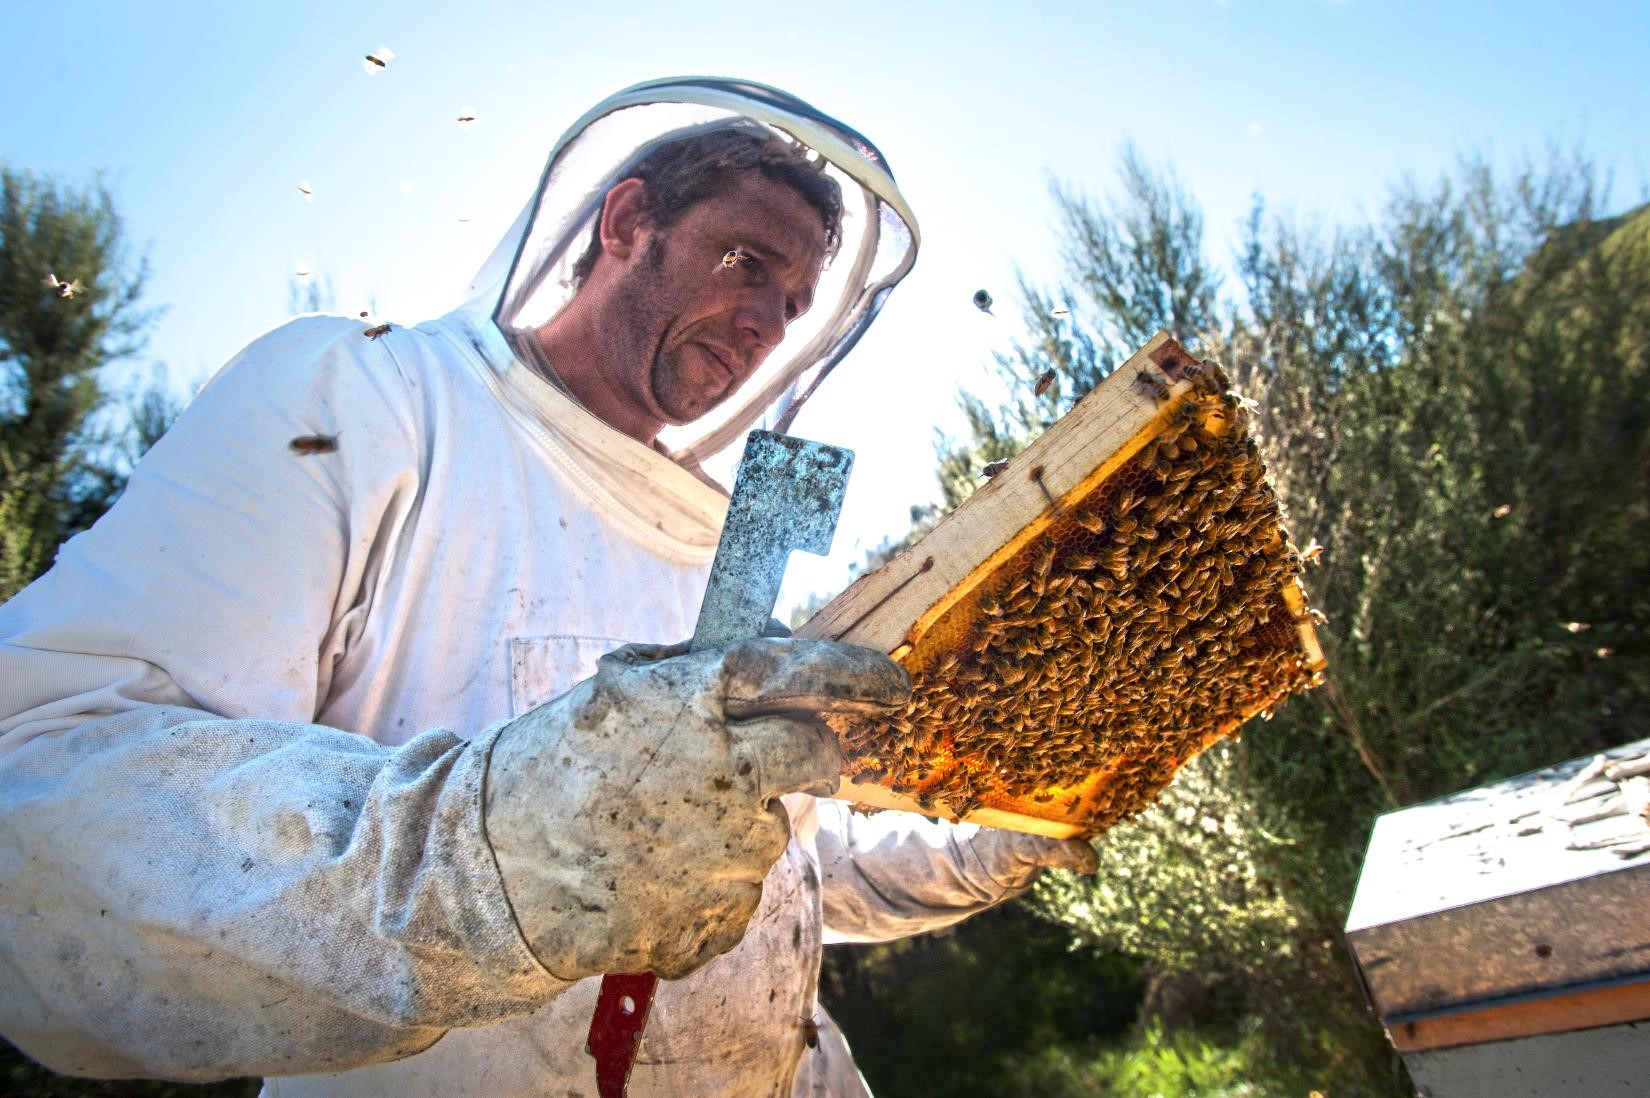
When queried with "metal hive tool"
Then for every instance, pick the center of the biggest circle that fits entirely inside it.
(1120, 597)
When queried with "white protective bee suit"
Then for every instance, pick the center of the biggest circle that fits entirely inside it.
(245, 721)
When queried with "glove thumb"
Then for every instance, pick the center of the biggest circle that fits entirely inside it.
(776, 677)
(1077, 855)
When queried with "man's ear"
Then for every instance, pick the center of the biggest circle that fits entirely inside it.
(622, 220)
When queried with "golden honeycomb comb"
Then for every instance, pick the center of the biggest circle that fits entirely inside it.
(1118, 598)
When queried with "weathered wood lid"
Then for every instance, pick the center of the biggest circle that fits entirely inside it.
(1516, 908)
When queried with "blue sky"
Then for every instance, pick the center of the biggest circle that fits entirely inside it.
(206, 117)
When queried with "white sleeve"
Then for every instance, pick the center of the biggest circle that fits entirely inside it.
(195, 881)
(894, 874)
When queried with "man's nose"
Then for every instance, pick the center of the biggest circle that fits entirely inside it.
(762, 316)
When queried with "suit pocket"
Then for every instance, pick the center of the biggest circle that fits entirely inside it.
(542, 668)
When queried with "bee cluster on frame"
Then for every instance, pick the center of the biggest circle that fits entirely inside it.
(1145, 621)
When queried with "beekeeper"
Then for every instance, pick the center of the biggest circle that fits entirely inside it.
(309, 767)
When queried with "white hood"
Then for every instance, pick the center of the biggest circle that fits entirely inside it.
(527, 280)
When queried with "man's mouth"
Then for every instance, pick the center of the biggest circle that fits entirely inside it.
(723, 360)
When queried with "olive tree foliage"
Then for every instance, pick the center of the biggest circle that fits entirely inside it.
(68, 308)
(1468, 432)
(1186, 884)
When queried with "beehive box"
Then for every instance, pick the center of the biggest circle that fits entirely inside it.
(1120, 597)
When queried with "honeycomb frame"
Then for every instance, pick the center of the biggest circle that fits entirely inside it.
(1026, 617)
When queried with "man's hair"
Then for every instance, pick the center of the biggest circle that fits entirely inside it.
(678, 174)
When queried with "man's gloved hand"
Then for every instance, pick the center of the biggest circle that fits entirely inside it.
(1015, 860)
(635, 817)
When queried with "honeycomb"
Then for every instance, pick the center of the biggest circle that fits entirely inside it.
(1146, 618)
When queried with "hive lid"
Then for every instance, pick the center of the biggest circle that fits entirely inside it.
(1531, 886)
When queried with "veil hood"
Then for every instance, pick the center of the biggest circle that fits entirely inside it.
(528, 279)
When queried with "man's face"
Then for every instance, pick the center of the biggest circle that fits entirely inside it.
(690, 329)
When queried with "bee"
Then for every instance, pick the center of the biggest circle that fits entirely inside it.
(1573, 627)
(376, 331)
(65, 290)
(736, 256)
(982, 301)
(377, 61)
(466, 117)
(306, 445)
(1090, 521)
(1313, 553)
(1043, 383)
(991, 469)
(1152, 384)
(1502, 511)
(307, 191)
(1045, 560)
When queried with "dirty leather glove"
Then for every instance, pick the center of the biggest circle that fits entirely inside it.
(635, 817)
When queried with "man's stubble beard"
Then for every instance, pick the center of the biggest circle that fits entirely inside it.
(639, 294)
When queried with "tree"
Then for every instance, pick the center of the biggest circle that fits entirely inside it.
(68, 308)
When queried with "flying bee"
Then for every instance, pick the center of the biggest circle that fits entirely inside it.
(1043, 383)
(377, 330)
(65, 290)
(306, 445)
(377, 61)
(736, 256)
(1152, 384)
(1313, 553)
(466, 117)
(307, 191)
(982, 301)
